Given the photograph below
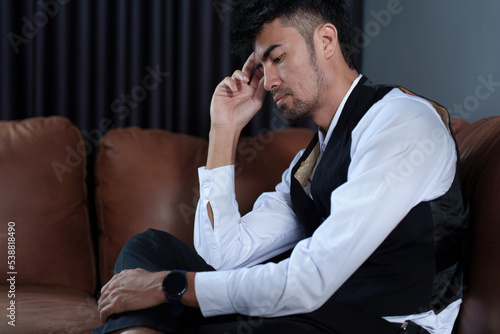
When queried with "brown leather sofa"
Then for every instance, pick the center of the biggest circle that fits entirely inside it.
(148, 178)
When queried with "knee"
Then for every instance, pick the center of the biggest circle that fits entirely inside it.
(156, 235)
(139, 250)
(145, 239)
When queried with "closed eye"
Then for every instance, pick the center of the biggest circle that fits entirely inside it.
(278, 59)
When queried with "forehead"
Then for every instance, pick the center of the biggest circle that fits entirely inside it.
(275, 34)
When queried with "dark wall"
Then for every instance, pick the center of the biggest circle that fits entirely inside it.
(447, 50)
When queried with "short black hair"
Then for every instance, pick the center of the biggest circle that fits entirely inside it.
(304, 15)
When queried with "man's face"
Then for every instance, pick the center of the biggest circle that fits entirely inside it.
(290, 69)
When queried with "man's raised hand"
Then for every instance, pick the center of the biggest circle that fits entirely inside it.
(235, 102)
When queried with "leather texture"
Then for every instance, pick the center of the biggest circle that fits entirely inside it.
(54, 257)
(53, 242)
(480, 155)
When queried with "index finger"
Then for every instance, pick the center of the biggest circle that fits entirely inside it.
(249, 66)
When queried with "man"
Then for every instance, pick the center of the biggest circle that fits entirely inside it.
(372, 208)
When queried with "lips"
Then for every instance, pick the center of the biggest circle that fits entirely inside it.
(278, 98)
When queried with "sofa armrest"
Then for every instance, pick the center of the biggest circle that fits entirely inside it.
(44, 195)
(479, 145)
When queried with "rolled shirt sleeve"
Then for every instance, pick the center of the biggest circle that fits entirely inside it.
(268, 230)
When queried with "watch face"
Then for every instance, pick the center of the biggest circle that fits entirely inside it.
(175, 283)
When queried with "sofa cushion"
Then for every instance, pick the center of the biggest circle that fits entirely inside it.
(144, 178)
(479, 145)
(43, 195)
(50, 310)
(149, 179)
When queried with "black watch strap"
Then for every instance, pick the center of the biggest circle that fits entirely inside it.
(174, 287)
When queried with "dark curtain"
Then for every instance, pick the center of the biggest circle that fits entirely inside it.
(114, 63)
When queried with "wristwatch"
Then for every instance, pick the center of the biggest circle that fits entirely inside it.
(174, 286)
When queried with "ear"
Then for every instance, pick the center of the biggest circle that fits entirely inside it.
(329, 39)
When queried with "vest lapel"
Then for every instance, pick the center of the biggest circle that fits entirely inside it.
(306, 166)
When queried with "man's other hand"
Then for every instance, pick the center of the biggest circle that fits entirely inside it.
(131, 290)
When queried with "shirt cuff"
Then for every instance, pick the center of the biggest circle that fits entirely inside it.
(213, 298)
(216, 182)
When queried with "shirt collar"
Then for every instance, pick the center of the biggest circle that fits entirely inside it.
(323, 140)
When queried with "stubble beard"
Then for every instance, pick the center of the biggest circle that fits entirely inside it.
(301, 108)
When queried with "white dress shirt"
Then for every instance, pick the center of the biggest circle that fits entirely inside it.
(401, 155)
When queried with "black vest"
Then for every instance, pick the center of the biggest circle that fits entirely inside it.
(417, 267)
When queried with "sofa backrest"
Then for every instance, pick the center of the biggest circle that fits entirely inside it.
(479, 145)
(43, 205)
(147, 178)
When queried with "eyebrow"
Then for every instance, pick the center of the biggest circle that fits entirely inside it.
(266, 54)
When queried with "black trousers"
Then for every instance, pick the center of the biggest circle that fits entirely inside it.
(156, 250)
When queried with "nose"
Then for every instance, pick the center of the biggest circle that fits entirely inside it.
(271, 78)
